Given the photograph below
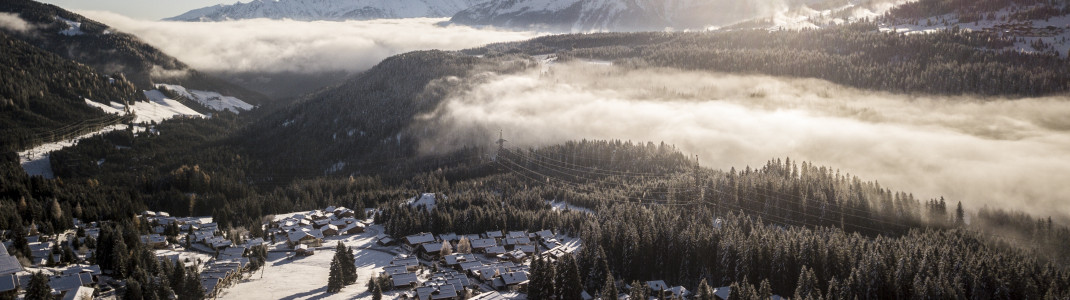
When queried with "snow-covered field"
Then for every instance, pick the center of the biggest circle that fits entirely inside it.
(36, 161)
(212, 100)
(306, 277)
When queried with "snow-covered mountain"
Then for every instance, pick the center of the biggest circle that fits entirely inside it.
(619, 15)
(331, 10)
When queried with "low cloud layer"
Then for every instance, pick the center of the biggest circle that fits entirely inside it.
(263, 45)
(1008, 153)
(12, 22)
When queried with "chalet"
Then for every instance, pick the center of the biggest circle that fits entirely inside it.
(93, 270)
(411, 263)
(455, 260)
(394, 270)
(452, 237)
(351, 228)
(404, 280)
(679, 292)
(494, 235)
(320, 223)
(72, 281)
(234, 252)
(9, 286)
(443, 292)
(468, 266)
(511, 279)
(154, 241)
(412, 241)
(459, 281)
(527, 249)
(217, 242)
(343, 212)
(78, 293)
(309, 237)
(516, 234)
(210, 284)
(545, 234)
(481, 245)
(430, 251)
(513, 242)
(656, 286)
(8, 264)
(386, 241)
(516, 256)
(329, 230)
(494, 251)
(304, 250)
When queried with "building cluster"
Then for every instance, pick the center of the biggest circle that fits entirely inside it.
(303, 232)
(74, 281)
(493, 260)
(229, 258)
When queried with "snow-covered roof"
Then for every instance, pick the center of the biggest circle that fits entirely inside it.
(657, 285)
(483, 243)
(403, 279)
(421, 238)
(722, 292)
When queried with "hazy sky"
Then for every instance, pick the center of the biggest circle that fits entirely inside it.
(140, 9)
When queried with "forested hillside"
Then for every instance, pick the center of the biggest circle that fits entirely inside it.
(108, 51)
(947, 62)
(360, 126)
(47, 102)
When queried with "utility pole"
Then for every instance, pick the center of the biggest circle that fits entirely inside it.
(501, 142)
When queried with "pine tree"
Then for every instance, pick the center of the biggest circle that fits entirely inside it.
(638, 291)
(133, 290)
(350, 267)
(193, 290)
(376, 290)
(704, 291)
(336, 280)
(38, 288)
(609, 288)
(541, 280)
(567, 280)
(806, 286)
(765, 290)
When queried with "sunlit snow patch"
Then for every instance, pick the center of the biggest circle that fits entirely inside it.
(212, 100)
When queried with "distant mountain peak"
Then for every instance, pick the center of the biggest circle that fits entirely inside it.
(329, 10)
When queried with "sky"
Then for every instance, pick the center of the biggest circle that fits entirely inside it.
(139, 9)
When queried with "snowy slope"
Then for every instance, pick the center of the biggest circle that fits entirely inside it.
(332, 10)
(212, 100)
(35, 161)
(618, 15)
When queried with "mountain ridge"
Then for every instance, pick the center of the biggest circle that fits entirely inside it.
(327, 10)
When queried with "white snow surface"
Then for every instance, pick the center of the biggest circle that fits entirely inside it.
(212, 100)
(306, 277)
(73, 28)
(328, 10)
(425, 200)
